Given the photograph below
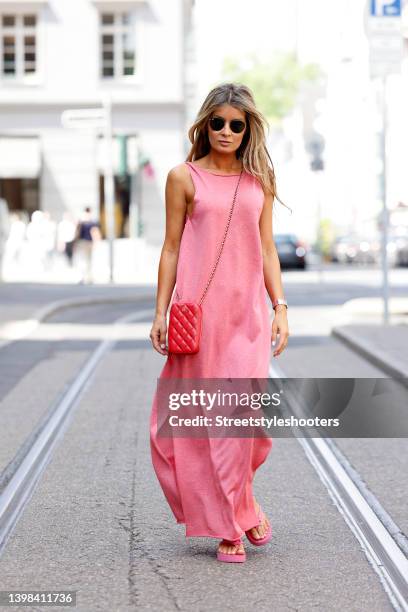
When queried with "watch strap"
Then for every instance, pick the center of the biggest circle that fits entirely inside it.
(279, 301)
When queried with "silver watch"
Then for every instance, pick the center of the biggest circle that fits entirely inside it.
(279, 301)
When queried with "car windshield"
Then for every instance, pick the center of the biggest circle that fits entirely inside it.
(284, 238)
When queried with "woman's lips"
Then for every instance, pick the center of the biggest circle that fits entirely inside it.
(224, 142)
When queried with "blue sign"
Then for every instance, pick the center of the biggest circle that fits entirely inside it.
(385, 8)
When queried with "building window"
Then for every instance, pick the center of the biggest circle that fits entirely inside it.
(118, 45)
(18, 43)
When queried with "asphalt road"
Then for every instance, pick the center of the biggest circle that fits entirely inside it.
(98, 523)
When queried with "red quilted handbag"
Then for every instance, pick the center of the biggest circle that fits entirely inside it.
(185, 327)
(185, 322)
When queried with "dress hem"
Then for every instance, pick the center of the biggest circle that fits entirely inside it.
(208, 535)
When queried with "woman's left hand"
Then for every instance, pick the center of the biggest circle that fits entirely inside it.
(280, 325)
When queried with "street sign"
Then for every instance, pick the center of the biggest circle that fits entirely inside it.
(385, 49)
(385, 8)
(84, 118)
(384, 32)
(386, 25)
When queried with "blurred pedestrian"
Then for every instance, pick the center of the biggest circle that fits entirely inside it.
(87, 233)
(66, 236)
(50, 238)
(38, 241)
(16, 239)
(4, 230)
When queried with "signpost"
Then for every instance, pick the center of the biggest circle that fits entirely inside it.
(109, 185)
(384, 31)
(97, 118)
(84, 118)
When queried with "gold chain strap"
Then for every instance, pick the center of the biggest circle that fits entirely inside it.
(223, 240)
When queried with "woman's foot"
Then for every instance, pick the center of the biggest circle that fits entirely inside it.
(230, 549)
(259, 531)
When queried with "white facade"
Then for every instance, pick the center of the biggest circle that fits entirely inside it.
(64, 69)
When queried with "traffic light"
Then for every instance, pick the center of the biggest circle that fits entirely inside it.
(317, 164)
(315, 147)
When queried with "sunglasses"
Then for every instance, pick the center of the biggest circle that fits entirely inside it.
(217, 123)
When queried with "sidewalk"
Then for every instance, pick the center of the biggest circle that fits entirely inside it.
(386, 346)
(24, 305)
(134, 262)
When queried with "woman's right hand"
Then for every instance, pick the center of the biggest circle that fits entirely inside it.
(158, 334)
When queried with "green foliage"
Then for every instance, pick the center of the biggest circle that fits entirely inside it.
(275, 82)
(325, 237)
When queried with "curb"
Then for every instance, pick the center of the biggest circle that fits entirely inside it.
(26, 326)
(390, 366)
(42, 314)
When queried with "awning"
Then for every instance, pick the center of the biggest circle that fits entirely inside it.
(20, 157)
(14, 5)
(118, 4)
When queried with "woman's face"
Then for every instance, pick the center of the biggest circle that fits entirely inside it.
(226, 128)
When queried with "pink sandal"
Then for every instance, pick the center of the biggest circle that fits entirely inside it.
(239, 557)
(266, 538)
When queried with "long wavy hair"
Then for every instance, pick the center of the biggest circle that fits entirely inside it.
(253, 152)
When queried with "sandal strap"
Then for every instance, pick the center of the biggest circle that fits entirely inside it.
(236, 542)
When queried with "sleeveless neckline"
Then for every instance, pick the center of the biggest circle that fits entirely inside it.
(213, 173)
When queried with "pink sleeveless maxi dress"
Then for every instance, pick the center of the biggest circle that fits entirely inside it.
(208, 481)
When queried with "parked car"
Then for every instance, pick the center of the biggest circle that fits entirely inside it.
(344, 249)
(402, 251)
(291, 251)
(368, 249)
(398, 246)
(355, 249)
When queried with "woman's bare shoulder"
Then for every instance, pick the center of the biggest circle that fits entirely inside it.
(179, 172)
(180, 179)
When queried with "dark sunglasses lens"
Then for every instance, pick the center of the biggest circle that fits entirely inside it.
(217, 123)
(237, 126)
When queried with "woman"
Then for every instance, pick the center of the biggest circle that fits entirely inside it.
(208, 482)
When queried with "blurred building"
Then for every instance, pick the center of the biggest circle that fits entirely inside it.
(64, 54)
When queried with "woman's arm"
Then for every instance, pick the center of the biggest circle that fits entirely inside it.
(272, 275)
(176, 206)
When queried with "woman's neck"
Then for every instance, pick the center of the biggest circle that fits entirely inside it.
(222, 162)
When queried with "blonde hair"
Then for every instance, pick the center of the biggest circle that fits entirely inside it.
(253, 151)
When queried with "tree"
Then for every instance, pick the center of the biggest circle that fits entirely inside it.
(275, 82)
(325, 238)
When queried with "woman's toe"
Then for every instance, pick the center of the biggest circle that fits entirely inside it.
(231, 549)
